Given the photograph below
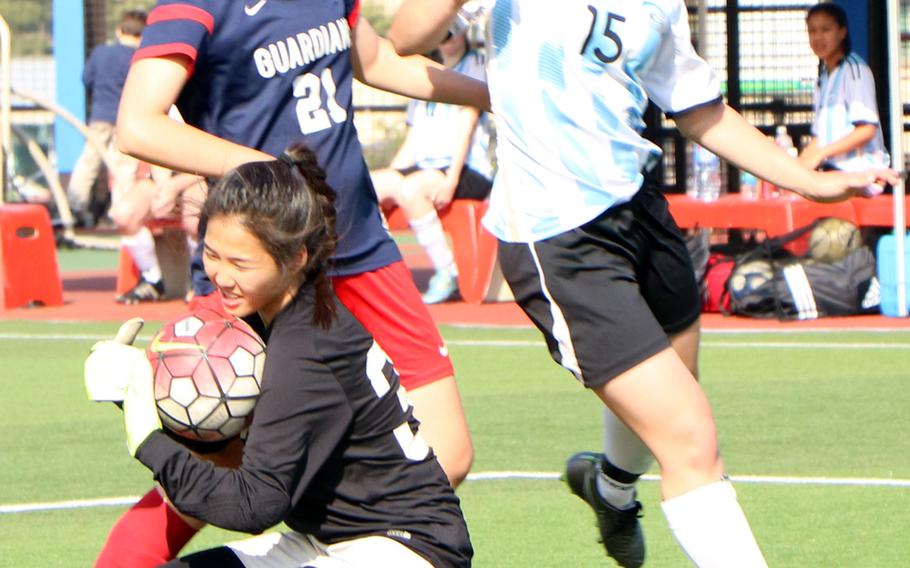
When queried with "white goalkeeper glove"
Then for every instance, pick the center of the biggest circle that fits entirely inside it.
(118, 372)
(140, 412)
(107, 366)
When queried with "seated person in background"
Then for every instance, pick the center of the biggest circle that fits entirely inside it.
(444, 156)
(846, 131)
(161, 195)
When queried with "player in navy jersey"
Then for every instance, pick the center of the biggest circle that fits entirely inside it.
(591, 252)
(251, 77)
(332, 450)
(104, 75)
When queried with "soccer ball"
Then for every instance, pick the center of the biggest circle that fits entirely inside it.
(207, 369)
(832, 239)
(747, 280)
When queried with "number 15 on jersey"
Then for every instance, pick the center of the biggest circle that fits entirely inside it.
(603, 36)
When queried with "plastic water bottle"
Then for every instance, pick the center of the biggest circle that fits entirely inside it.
(705, 182)
(748, 188)
(782, 139)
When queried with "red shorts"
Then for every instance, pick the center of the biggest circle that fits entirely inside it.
(386, 302)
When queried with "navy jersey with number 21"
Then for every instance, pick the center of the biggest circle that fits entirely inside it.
(266, 73)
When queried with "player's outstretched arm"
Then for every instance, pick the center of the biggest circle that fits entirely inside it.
(377, 64)
(145, 130)
(813, 154)
(725, 132)
(420, 25)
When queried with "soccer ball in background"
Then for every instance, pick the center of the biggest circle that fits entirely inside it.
(748, 281)
(207, 369)
(832, 239)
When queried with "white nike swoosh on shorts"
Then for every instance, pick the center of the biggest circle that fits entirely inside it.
(443, 350)
(254, 9)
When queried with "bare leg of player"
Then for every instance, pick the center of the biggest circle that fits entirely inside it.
(686, 343)
(444, 427)
(662, 403)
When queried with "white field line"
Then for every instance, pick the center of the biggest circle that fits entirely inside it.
(863, 482)
(757, 479)
(832, 328)
(805, 330)
(494, 476)
(719, 344)
(61, 337)
(796, 344)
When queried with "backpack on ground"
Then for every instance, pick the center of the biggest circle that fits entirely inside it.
(766, 283)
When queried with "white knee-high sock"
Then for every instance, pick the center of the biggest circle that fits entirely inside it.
(429, 233)
(626, 452)
(141, 246)
(623, 448)
(712, 529)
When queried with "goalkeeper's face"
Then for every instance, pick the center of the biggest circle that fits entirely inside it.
(245, 273)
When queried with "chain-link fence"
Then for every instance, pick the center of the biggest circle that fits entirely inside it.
(760, 51)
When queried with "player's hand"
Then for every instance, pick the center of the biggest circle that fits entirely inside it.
(164, 204)
(837, 186)
(444, 192)
(106, 368)
(140, 412)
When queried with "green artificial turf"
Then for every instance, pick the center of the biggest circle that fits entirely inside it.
(796, 408)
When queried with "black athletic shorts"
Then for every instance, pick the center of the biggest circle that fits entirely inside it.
(471, 185)
(606, 295)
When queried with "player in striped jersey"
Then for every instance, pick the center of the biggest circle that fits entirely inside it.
(591, 252)
(846, 131)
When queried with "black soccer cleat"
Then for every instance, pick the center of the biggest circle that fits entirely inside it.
(620, 531)
(143, 291)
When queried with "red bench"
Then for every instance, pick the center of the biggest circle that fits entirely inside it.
(474, 247)
(778, 216)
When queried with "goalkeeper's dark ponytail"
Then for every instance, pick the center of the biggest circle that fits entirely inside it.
(289, 207)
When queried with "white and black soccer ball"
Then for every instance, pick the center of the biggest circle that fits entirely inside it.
(207, 369)
(832, 239)
(748, 280)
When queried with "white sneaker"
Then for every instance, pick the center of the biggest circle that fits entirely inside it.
(443, 286)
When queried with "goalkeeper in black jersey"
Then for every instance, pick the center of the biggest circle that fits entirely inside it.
(333, 450)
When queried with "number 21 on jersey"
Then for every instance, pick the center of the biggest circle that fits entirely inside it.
(315, 113)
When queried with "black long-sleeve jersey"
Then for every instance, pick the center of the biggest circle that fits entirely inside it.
(331, 450)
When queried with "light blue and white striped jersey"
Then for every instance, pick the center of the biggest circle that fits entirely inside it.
(432, 123)
(569, 84)
(844, 99)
